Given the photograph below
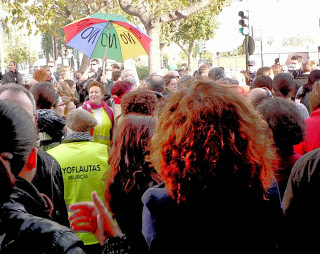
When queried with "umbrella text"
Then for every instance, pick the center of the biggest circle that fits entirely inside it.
(112, 40)
(126, 38)
(90, 33)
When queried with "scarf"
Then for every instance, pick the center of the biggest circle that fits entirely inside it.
(88, 105)
(77, 136)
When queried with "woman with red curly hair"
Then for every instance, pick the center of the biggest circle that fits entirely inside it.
(217, 159)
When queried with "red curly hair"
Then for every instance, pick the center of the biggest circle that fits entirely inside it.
(121, 87)
(209, 135)
(40, 75)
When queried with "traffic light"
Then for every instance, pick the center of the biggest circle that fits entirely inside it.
(244, 22)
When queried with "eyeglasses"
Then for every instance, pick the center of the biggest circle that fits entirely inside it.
(62, 104)
(93, 64)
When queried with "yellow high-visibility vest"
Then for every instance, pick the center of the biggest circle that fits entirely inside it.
(102, 134)
(85, 167)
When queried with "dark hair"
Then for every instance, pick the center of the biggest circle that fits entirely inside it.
(312, 78)
(262, 81)
(44, 94)
(19, 137)
(56, 99)
(264, 70)
(140, 101)
(129, 148)
(228, 81)
(95, 60)
(294, 57)
(285, 121)
(121, 87)
(283, 85)
(156, 83)
(216, 73)
(116, 75)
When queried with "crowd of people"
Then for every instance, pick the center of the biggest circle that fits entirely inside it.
(178, 163)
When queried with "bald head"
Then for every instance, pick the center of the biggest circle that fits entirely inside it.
(156, 83)
(257, 95)
(20, 95)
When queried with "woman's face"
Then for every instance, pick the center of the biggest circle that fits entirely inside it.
(60, 107)
(173, 86)
(95, 95)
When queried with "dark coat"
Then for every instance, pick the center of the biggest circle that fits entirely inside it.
(12, 77)
(301, 80)
(51, 128)
(26, 227)
(225, 222)
(49, 180)
(301, 205)
(126, 204)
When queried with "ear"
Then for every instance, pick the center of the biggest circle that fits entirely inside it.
(32, 160)
(29, 168)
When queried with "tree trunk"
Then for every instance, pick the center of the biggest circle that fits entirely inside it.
(84, 63)
(190, 58)
(154, 60)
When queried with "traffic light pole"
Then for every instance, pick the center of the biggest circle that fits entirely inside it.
(247, 51)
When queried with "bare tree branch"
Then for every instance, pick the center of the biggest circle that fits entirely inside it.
(185, 12)
(87, 5)
(140, 12)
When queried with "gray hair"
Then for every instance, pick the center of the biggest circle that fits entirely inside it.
(16, 88)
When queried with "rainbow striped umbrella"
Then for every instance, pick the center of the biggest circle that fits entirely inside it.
(103, 35)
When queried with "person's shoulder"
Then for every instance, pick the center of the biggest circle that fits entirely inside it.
(308, 160)
(156, 196)
(45, 158)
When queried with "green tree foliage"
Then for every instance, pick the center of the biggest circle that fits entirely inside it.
(200, 26)
(51, 15)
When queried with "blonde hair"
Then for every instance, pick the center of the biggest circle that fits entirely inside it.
(63, 89)
(314, 99)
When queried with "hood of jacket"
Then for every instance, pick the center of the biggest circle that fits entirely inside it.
(51, 124)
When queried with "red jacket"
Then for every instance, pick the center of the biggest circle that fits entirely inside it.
(312, 138)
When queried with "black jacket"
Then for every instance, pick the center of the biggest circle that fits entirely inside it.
(51, 128)
(49, 180)
(25, 225)
(301, 205)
